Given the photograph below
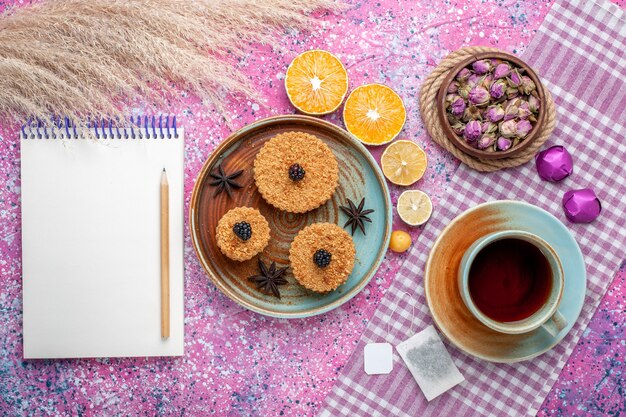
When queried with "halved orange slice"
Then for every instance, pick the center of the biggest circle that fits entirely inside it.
(316, 82)
(374, 113)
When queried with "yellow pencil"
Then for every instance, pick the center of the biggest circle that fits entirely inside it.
(165, 257)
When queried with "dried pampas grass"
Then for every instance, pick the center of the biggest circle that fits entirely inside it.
(90, 58)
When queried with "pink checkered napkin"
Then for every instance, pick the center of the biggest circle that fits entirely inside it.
(579, 52)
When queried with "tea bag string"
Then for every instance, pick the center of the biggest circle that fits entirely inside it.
(394, 310)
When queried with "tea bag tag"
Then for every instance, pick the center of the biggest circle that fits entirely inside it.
(378, 357)
(430, 363)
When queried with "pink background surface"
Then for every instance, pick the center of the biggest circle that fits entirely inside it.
(240, 363)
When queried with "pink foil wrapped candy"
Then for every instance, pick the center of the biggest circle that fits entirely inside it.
(581, 206)
(554, 163)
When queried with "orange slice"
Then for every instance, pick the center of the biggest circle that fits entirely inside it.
(316, 82)
(374, 113)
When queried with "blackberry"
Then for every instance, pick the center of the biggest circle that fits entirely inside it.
(296, 172)
(322, 258)
(243, 230)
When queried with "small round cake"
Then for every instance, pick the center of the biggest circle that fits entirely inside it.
(322, 257)
(242, 233)
(296, 172)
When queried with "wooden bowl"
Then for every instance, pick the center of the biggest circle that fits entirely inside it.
(457, 140)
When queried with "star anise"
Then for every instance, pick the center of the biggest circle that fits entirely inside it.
(356, 215)
(270, 278)
(225, 181)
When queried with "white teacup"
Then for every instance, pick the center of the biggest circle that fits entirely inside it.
(547, 315)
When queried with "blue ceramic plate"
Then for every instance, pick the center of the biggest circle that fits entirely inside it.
(441, 285)
(359, 176)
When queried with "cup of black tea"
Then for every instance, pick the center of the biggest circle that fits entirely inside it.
(512, 281)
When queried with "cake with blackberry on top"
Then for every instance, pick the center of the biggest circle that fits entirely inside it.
(322, 257)
(242, 233)
(296, 172)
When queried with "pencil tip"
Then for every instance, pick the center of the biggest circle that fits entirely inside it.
(163, 169)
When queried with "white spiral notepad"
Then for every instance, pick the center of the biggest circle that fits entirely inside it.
(91, 241)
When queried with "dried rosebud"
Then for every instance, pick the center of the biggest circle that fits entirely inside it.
(479, 96)
(508, 129)
(501, 71)
(512, 92)
(534, 104)
(502, 144)
(463, 75)
(554, 163)
(453, 87)
(473, 80)
(486, 141)
(488, 127)
(523, 127)
(498, 89)
(527, 85)
(494, 113)
(481, 67)
(524, 110)
(451, 98)
(486, 81)
(464, 90)
(457, 107)
(458, 127)
(472, 113)
(581, 206)
(514, 78)
(473, 131)
(511, 110)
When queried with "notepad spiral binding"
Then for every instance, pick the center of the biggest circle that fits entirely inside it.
(163, 127)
